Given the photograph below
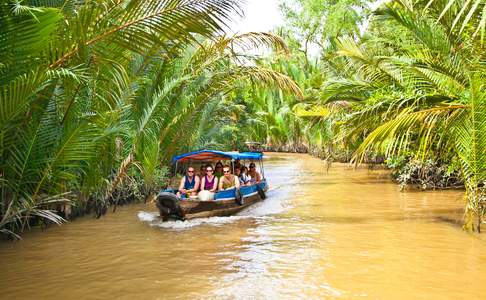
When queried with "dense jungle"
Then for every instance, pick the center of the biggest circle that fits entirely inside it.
(97, 96)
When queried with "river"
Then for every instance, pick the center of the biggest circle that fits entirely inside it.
(334, 233)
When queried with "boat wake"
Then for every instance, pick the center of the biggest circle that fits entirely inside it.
(268, 207)
(154, 220)
(147, 216)
(276, 203)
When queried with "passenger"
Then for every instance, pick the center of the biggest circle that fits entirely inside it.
(244, 170)
(228, 181)
(218, 172)
(189, 184)
(202, 172)
(247, 177)
(244, 179)
(237, 164)
(255, 176)
(209, 182)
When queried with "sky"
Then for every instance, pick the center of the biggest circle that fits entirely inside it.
(264, 15)
(260, 15)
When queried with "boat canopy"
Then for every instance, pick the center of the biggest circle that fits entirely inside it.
(213, 155)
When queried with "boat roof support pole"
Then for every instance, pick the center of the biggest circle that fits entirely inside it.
(262, 169)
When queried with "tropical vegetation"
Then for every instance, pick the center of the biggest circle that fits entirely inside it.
(96, 96)
(399, 81)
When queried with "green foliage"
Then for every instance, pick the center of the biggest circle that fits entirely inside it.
(317, 23)
(437, 94)
(96, 96)
(406, 80)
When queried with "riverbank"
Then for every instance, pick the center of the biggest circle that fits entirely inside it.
(408, 173)
(131, 192)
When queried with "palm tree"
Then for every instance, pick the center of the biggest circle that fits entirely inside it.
(90, 89)
(68, 63)
(182, 95)
(422, 93)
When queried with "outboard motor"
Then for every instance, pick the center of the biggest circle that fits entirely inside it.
(168, 205)
(261, 192)
(239, 197)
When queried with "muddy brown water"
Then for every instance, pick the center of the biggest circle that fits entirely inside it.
(341, 234)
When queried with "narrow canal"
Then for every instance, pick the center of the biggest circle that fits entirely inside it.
(321, 234)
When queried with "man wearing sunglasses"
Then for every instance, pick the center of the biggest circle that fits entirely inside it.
(189, 184)
(228, 181)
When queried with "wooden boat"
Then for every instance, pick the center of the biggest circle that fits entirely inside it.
(225, 203)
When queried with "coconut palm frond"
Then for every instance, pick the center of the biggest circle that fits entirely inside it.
(255, 40)
(463, 14)
(23, 34)
(345, 90)
(391, 135)
(262, 76)
(141, 25)
(471, 147)
(421, 26)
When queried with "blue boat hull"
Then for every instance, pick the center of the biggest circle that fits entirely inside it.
(226, 203)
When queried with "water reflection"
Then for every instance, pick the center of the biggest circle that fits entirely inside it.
(275, 262)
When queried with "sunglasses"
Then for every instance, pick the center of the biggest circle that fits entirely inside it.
(209, 170)
(190, 171)
(226, 172)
